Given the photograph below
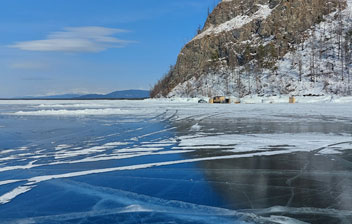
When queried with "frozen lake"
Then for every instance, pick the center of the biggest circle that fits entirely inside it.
(174, 162)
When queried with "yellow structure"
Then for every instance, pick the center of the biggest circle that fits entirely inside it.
(219, 99)
(292, 99)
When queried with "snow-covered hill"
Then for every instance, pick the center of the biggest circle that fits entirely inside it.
(267, 49)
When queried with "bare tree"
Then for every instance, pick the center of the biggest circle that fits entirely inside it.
(348, 59)
(239, 84)
(188, 89)
(339, 33)
(297, 61)
(257, 70)
(227, 84)
(312, 63)
(247, 68)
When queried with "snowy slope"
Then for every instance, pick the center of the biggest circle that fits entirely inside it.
(321, 65)
(237, 22)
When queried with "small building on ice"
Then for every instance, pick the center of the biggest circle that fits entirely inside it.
(292, 99)
(219, 99)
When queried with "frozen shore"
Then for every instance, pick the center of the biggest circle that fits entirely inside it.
(266, 100)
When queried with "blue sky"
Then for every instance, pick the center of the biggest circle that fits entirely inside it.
(92, 46)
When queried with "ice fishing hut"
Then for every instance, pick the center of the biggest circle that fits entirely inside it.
(219, 99)
(292, 100)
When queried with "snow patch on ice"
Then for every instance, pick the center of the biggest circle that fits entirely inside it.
(5, 182)
(135, 208)
(116, 144)
(63, 146)
(285, 220)
(7, 151)
(139, 149)
(336, 148)
(75, 105)
(5, 198)
(157, 145)
(109, 111)
(28, 166)
(284, 143)
(196, 127)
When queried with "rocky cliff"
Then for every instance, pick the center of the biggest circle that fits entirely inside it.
(265, 47)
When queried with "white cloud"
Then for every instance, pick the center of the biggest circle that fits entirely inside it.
(76, 39)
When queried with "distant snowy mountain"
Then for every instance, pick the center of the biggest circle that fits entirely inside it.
(266, 47)
(124, 94)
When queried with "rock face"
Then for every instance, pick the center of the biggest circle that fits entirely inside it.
(251, 35)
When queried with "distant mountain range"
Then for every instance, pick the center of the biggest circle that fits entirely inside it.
(124, 94)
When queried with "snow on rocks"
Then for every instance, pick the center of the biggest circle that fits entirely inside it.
(237, 22)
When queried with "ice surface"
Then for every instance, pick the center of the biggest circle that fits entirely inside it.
(136, 203)
(168, 133)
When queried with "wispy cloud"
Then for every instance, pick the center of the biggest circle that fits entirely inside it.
(29, 65)
(77, 39)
